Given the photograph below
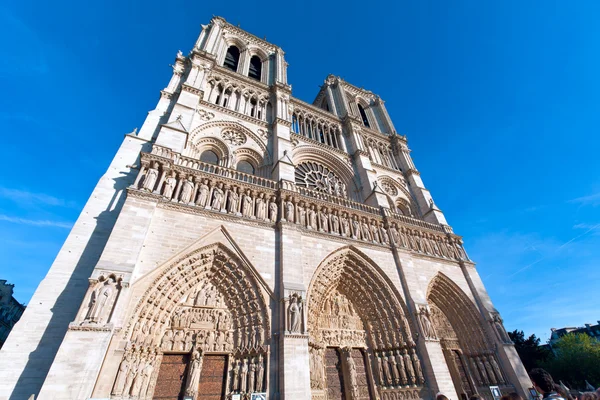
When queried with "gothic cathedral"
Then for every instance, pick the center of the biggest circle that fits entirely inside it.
(247, 245)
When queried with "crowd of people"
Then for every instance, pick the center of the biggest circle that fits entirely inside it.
(546, 389)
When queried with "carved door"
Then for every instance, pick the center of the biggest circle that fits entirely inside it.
(171, 376)
(333, 375)
(212, 377)
(361, 374)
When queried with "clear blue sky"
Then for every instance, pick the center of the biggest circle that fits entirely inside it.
(499, 101)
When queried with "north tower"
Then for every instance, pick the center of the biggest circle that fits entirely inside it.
(244, 241)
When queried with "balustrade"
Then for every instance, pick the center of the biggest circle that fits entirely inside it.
(182, 180)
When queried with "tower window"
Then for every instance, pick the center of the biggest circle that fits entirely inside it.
(245, 167)
(209, 156)
(255, 68)
(232, 58)
(363, 115)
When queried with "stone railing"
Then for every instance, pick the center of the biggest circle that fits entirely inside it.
(172, 178)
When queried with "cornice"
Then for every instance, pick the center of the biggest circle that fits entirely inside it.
(241, 78)
(236, 114)
(191, 89)
(316, 110)
(388, 169)
(320, 145)
(282, 122)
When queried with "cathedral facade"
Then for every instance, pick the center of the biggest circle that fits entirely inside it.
(245, 243)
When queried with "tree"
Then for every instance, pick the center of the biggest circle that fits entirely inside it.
(576, 358)
(531, 353)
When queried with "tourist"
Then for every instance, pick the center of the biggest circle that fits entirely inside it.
(588, 396)
(441, 396)
(544, 384)
(511, 396)
(475, 397)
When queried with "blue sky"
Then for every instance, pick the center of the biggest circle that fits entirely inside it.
(499, 101)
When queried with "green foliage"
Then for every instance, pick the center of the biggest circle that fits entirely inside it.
(529, 349)
(577, 358)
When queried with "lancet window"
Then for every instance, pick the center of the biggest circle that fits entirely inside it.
(236, 97)
(317, 177)
(381, 153)
(315, 129)
(246, 167)
(363, 115)
(255, 70)
(232, 58)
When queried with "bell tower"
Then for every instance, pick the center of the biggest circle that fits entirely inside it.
(247, 242)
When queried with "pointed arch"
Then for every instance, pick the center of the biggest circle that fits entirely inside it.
(469, 353)
(356, 275)
(198, 132)
(243, 292)
(460, 311)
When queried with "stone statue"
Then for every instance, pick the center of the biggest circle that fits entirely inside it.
(138, 377)
(243, 376)
(235, 372)
(426, 325)
(401, 368)
(187, 188)
(193, 376)
(289, 211)
(384, 235)
(100, 301)
(251, 376)
(147, 375)
(417, 365)
(273, 209)
(261, 207)
(312, 217)
(499, 328)
(122, 375)
(301, 214)
(169, 187)
(335, 223)
(294, 314)
(375, 232)
(324, 219)
(345, 225)
(203, 196)
(247, 207)
(381, 373)
(217, 197)
(260, 374)
(366, 233)
(352, 375)
(234, 198)
(151, 177)
(412, 379)
(355, 227)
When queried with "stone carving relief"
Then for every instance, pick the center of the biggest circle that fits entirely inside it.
(137, 374)
(205, 115)
(204, 302)
(388, 188)
(101, 300)
(498, 326)
(345, 313)
(424, 316)
(317, 177)
(247, 374)
(295, 313)
(234, 138)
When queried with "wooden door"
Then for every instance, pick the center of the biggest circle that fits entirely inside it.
(334, 377)
(171, 377)
(213, 377)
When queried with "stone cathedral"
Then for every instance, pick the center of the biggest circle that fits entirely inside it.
(244, 244)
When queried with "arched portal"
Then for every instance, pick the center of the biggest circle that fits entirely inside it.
(361, 345)
(469, 352)
(201, 326)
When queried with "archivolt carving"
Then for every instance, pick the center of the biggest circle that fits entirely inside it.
(249, 155)
(462, 334)
(195, 149)
(345, 312)
(227, 125)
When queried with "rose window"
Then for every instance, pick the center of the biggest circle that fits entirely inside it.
(317, 177)
(233, 137)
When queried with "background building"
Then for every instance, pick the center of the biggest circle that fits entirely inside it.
(10, 310)
(246, 241)
(588, 329)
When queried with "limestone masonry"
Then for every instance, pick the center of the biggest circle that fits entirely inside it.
(244, 241)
